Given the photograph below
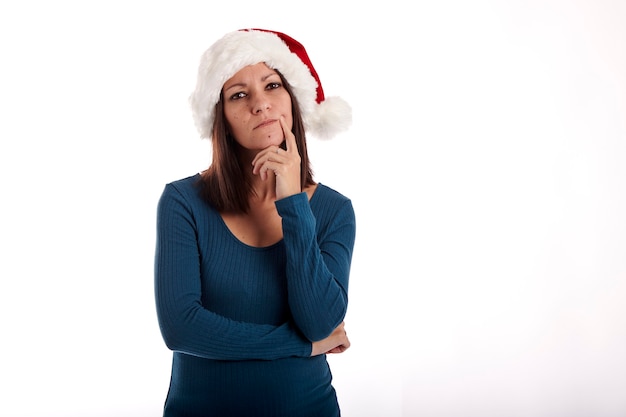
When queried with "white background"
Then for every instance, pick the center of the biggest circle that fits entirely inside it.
(486, 164)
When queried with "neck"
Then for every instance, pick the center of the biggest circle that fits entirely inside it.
(263, 190)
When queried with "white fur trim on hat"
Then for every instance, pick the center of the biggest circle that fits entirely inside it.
(248, 47)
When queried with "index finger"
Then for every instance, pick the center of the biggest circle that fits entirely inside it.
(290, 139)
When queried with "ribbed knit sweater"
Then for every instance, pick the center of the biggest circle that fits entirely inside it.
(241, 320)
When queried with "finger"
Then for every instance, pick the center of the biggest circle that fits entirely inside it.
(258, 156)
(267, 154)
(290, 139)
(263, 172)
(267, 160)
(267, 168)
(338, 349)
(259, 160)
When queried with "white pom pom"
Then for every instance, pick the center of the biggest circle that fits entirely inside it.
(332, 116)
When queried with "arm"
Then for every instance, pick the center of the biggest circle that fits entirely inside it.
(337, 342)
(317, 271)
(188, 327)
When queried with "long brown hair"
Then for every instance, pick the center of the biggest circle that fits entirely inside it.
(226, 183)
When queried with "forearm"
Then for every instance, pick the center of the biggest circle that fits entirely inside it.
(199, 332)
(186, 324)
(317, 272)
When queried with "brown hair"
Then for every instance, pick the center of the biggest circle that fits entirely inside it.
(226, 183)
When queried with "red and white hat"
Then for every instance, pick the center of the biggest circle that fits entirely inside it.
(323, 117)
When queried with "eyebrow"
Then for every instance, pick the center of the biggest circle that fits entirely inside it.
(240, 85)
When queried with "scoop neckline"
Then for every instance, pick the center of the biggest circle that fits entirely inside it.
(258, 248)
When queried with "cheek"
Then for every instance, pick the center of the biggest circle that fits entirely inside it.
(286, 111)
(289, 120)
(232, 110)
(230, 116)
(233, 120)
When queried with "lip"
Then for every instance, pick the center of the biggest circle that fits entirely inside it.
(265, 123)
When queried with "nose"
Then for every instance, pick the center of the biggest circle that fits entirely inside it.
(261, 107)
(261, 104)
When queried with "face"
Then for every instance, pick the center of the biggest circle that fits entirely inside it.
(254, 101)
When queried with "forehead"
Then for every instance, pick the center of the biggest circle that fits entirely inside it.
(255, 71)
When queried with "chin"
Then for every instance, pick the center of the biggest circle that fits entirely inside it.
(272, 140)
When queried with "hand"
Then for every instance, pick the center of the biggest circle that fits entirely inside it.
(284, 163)
(337, 342)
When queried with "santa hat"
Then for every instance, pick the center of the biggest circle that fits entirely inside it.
(323, 117)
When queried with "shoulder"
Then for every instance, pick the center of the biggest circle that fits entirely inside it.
(330, 204)
(326, 193)
(184, 190)
(334, 215)
(185, 184)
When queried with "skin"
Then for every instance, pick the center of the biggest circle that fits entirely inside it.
(258, 111)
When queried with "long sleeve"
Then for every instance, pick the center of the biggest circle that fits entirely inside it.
(318, 261)
(187, 326)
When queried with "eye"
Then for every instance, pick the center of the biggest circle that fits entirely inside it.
(238, 95)
(273, 85)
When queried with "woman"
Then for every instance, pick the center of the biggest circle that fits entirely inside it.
(253, 256)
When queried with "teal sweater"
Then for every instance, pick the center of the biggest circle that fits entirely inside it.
(240, 319)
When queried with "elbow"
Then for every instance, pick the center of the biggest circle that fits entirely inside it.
(174, 331)
(171, 337)
(320, 333)
(321, 329)
(317, 336)
(176, 323)
(322, 324)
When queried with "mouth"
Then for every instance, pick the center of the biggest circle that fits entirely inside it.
(265, 123)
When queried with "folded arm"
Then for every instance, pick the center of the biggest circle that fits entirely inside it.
(187, 326)
(318, 263)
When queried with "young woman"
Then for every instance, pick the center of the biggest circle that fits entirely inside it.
(253, 256)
